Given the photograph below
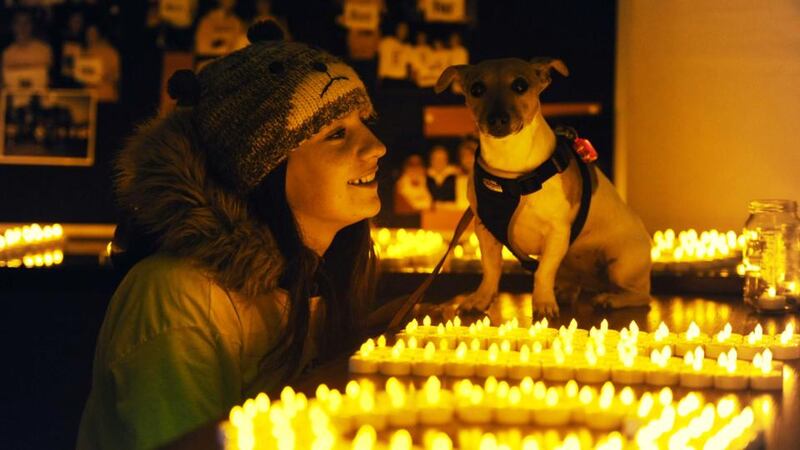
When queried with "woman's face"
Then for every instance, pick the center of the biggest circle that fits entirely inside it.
(331, 177)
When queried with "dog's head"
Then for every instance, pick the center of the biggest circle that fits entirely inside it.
(503, 94)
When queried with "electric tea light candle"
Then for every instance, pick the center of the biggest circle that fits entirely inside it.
(689, 340)
(663, 370)
(722, 342)
(764, 375)
(769, 300)
(695, 373)
(787, 345)
(753, 343)
(727, 375)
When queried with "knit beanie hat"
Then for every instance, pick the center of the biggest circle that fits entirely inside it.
(251, 107)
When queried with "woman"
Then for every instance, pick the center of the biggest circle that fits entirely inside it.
(249, 206)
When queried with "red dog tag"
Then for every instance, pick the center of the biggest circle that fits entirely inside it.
(585, 149)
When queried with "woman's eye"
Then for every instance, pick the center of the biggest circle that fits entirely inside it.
(336, 135)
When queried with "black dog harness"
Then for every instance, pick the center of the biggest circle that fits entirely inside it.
(499, 197)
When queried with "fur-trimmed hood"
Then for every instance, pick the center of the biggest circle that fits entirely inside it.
(163, 189)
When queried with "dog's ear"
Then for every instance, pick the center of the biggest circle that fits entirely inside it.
(542, 67)
(450, 75)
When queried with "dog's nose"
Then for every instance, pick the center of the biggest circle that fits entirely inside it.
(498, 117)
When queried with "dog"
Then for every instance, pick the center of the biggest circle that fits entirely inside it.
(609, 260)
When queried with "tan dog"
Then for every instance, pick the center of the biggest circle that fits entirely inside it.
(610, 259)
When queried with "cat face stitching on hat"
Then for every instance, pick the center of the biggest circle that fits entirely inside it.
(329, 81)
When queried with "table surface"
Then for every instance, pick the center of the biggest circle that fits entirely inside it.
(677, 312)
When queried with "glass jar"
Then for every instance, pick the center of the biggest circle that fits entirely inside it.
(771, 255)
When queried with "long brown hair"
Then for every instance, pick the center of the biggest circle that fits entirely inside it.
(344, 277)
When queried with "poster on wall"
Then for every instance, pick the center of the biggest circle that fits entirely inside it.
(55, 127)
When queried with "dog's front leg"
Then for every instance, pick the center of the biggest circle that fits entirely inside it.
(492, 265)
(544, 298)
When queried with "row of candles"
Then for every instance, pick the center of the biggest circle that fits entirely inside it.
(403, 249)
(16, 238)
(528, 411)
(540, 352)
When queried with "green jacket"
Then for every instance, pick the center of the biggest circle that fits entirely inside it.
(187, 328)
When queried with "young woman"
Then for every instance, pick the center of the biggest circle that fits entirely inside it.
(247, 213)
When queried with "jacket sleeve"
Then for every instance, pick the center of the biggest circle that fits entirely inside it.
(171, 384)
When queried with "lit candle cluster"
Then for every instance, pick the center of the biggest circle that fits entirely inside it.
(689, 246)
(364, 418)
(628, 356)
(18, 238)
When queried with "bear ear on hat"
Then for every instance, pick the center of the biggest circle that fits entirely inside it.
(264, 31)
(184, 87)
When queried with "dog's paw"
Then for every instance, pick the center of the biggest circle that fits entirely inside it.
(567, 294)
(544, 305)
(620, 300)
(478, 301)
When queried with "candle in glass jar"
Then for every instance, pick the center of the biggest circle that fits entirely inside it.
(769, 300)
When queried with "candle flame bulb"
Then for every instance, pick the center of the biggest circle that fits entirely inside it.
(725, 407)
(400, 440)
(634, 327)
(488, 442)
(586, 395)
(412, 342)
(457, 321)
(688, 359)
(558, 353)
(571, 389)
(448, 325)
(490, 385)
(693, 332)
(514, 396)
(493, 352)
(731, 362)
(766, 362)
(381, 341)
(537, 347)
(505, 346)
(461, 351)
(411, 326)
(661, 332)
(545, 323)
(604, 326)
(699, 357)
(433, 390)
(396, 351)
(475, 345)
(771, 291)
(365, 438)
(440, 330)
(787, 333)
(591, 356)
(429, 351)
(573, 325)
(443, 345)
(551, 398)
(426, 321)
(665, 396)
(487, 322)
(530, 443)
(626, 396)
(524, 354)
(645, 405)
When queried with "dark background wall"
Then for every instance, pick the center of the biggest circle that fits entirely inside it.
(580, 33)
(52, 320)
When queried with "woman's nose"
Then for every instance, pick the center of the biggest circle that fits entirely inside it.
(373, 147)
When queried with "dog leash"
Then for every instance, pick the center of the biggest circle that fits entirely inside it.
(402, 314)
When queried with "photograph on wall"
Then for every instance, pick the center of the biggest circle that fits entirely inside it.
(55, 127)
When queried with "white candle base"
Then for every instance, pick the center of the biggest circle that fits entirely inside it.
(785, 352)
(748, 352)
(427, 368)
(512, 416)
(555, 372)
(459, 369)
(435, 415)
(730, 381)
(361, 365)
(772, 381)
(403, 418)
(683, 347)
(375, 419)
(474, 414)
(603, 419)
(662, 377)
(592, 374)
(714, 349)
(521, 370)
(627, 375)
(696, 380)
(485, 370)
(551, 416)
(395, 368)
(771, 303)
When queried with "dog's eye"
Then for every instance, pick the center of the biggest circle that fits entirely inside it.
(519, 85)
(477, 89)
